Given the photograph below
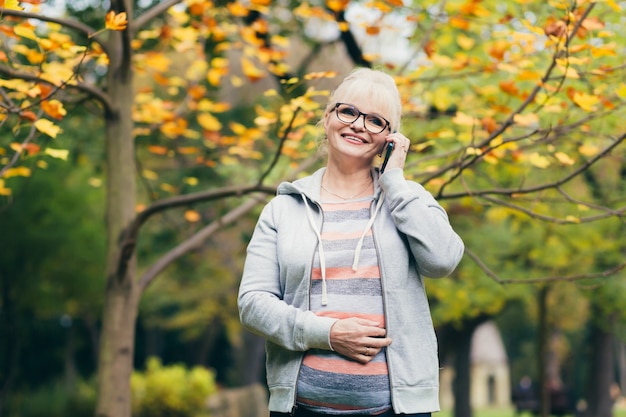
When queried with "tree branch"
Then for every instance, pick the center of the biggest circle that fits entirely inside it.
(152, 13)
(279, 150)
(567, 178)
(80, 27)
(206, 232)
(195, 241)
(528, 101)
(85, 88)
(568, 278)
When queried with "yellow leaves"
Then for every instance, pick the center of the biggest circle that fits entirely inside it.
(53, 108)
(567, 70)
(115, 21)
(10, 5)
(192, 216)
(3, 190)
(588, 150)
(564, 159)
(320, 74)
(459, 22)
(209, 122)
(157, 61)
(237, 9)
(18, 172)
(539, 160)
(251, 71)
(58, 153)
(57, 73)
(527, 120)
(465, 42)
(177, 128)
(26, 31)
(463, 119)
(337, 6)
(585, 101)
(46, 127)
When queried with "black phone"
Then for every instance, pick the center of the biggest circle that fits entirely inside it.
(387, 150)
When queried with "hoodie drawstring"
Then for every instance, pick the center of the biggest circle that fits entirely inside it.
(320, 246)
(357, 252)
(320, 249)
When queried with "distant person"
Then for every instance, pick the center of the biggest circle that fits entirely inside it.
(334, 275)
(524, 396)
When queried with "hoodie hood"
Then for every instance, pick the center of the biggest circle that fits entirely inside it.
(308, 189)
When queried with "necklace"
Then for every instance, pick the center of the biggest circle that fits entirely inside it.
(346, 198)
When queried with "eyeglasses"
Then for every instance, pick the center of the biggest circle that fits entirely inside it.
(347, 113)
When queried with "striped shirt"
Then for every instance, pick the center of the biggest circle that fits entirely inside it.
(328, 382)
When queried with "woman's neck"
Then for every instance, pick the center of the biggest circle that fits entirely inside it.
(347, 184)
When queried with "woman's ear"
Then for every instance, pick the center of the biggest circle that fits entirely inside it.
(326, 121)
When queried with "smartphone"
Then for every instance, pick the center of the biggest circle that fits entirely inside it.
(387, 150)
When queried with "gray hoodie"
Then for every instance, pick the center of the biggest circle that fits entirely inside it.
(413, 239)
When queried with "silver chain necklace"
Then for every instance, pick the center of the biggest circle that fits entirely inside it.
(345, 198)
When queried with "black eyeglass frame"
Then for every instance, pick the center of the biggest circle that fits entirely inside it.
(360, 113)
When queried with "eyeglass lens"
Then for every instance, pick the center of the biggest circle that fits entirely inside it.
(349, 114)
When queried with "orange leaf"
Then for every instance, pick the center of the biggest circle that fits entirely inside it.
(28, 115)
(372, 30)
(237, 9)
(430, 48)
(158, 150)
(489, 124)
(337, 5)
(32, 148)
(509, 87)
(250, 70)
(192, 216)
(115, 21)
(53, 108)
(459, 23)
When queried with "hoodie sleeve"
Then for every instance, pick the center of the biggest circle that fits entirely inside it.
(262, 308)
(435, 245)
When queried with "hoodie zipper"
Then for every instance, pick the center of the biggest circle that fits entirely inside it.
(295, 391)
(375, 227)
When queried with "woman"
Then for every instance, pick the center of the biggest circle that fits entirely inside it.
(334, 273)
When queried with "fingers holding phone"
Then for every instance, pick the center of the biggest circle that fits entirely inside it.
(394, 152)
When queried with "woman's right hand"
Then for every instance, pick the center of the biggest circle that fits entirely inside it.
(358, 339)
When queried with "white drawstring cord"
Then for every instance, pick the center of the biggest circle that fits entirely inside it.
(320, 250)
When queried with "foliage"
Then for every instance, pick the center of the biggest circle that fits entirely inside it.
(171, 391)
(55, 400)
(515, 111)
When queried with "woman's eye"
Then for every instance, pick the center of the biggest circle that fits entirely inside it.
(348, 111)
(377, 121)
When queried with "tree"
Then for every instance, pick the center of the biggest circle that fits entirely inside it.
(508, 104)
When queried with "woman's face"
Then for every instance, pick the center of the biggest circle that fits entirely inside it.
(356, 130)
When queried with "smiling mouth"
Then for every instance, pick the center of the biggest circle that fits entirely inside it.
(353, 138)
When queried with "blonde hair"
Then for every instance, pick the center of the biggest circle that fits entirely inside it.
(365, 84)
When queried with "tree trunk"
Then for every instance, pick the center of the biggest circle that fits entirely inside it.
(543, 351)
(117, 344)
(117, 341)
(462, 373)
(601, 362)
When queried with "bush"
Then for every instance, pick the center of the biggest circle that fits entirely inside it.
(171, 391)
(54, 400)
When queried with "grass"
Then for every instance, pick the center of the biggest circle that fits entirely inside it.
(509, 412)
